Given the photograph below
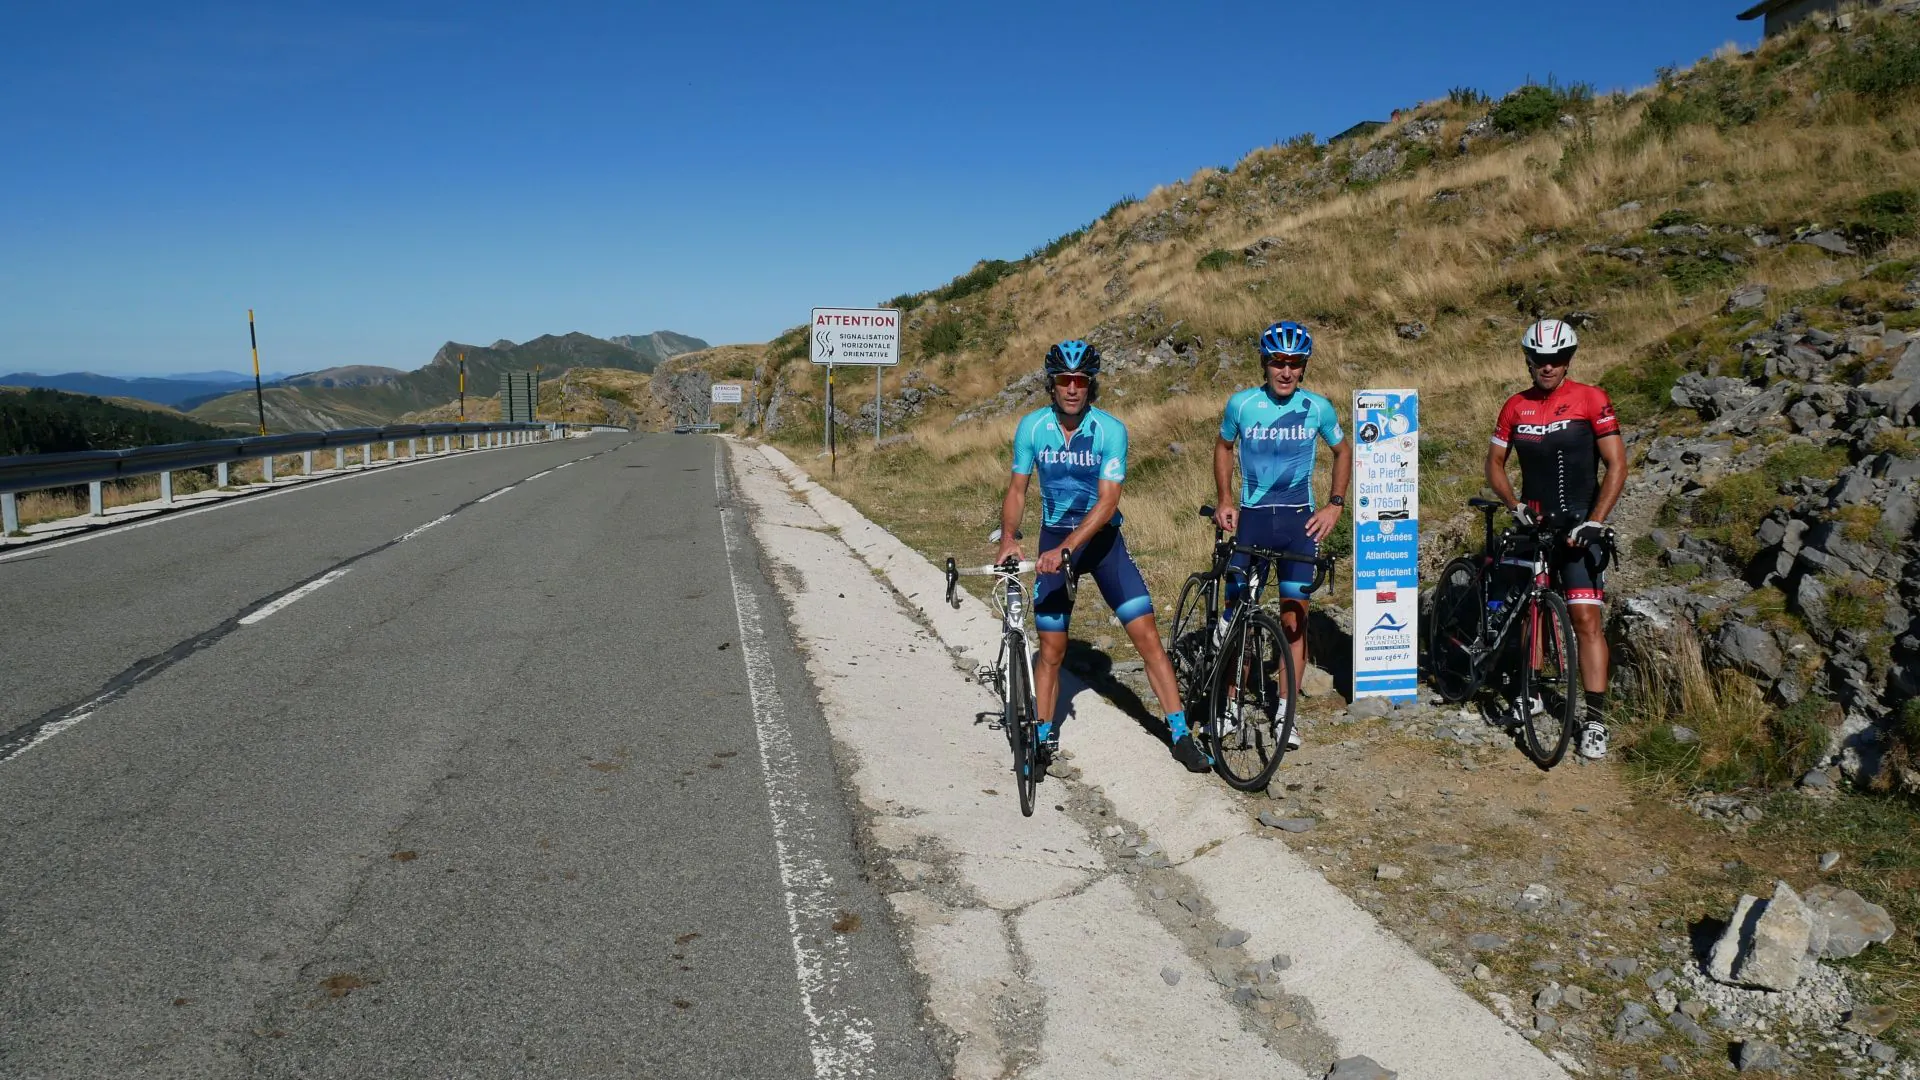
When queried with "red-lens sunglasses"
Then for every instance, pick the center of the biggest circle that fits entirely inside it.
(1072, 378)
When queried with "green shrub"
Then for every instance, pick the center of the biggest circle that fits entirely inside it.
(1909, 729)
(1800, 738)
(1673, 217)
(945, 336)
(979, 279)
(1789, 463)
(1121, 204)
(1644, 390)
(1882, 217)
(1056, 245)
(1217, 259)
(1854, 604)
(906, 301)
(1692, 273)
(1884, 64)
(1528, 109)
(1536, 108)
(1468, 98)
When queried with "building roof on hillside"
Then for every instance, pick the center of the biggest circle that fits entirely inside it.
(1364, 127)
(1763, 7)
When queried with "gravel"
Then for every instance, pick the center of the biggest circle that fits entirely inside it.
(1171, 976)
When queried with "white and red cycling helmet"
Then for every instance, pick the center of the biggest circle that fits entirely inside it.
(1550, 338)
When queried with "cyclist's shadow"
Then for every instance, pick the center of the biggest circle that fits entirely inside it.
(1090, 669)
(1330, 648)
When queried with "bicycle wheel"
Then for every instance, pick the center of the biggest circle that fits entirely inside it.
(1022, 732)
(1549, 682)
(1453, 627)
(1251, 713)
(1190, 642)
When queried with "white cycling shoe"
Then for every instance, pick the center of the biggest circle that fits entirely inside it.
(1593, 741)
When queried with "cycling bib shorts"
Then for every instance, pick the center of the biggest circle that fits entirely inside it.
(1105, 557)
(1282, 528)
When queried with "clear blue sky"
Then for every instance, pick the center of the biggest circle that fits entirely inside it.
(376, 179)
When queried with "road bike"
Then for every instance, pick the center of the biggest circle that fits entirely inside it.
(1496, 622)
(1236, 673)
(1011, 674)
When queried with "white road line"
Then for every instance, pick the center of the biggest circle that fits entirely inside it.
(296, 595)
(841, 1038)
(494, 494)
(537, 475)
(418, 529)
(15, 552)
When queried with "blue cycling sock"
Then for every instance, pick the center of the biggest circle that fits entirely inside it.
(1177, 724)
(1046, 730)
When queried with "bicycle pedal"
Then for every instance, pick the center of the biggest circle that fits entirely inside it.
(986, 675)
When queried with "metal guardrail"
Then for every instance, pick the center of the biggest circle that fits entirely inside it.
(34, 472)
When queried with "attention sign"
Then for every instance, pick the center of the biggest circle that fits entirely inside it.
(868, 336)
(726, 393)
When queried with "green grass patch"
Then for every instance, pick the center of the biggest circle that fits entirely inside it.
(1693, 272)
(1217, 259)
(1642, 390)
(1854, 604)
(945, 336)
(1789, 463)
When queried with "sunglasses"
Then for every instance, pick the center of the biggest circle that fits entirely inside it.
(1287, 362)
(1547, 361)
(1074, 380)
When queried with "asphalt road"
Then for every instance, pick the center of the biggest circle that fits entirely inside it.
(495, 801)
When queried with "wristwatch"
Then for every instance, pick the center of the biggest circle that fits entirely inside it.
(1336, 500)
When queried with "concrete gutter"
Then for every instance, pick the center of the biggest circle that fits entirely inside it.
(1071, 926)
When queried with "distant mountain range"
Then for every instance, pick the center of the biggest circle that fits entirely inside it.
(360, 395)
(177, 391)
(356, 395)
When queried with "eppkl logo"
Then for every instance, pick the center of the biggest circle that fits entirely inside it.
(1388, 623)
(1385, 598)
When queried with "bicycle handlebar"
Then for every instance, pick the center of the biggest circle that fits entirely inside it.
(1007, 570)
(1322, 564)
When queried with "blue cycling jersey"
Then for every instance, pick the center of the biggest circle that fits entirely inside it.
(1276, 437)
(1070, 467)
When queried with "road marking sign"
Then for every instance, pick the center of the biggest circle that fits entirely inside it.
(856, 336)
(725, 393)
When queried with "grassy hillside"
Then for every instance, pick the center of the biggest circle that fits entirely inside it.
(1417, 256)
(349, 397)
(41, 421)
(579, 395)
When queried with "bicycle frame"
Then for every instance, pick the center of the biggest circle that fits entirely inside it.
(1253, 578)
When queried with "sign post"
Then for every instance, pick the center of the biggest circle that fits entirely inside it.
(1386, 543)
(860, 336)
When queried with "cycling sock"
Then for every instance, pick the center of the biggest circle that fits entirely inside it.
(1177, 724)
(1597, 707)
(1046, 730)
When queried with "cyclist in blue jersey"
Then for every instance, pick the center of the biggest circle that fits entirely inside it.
(1276, 428)
(1080, 455)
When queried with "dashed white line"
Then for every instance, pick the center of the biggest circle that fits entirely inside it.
(537, 475)
(293, 597)
(418, 529)
(491, 495)
(840, 1037)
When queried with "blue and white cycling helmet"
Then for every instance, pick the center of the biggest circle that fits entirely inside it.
(1286, 339)
(1076, 356)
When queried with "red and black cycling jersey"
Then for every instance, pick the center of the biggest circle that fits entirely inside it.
(1555, 436)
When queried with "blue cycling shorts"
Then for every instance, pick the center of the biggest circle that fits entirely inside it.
(1281, 528)
(1106, 558)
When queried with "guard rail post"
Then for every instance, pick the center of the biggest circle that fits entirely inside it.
(266, 469)
(223, 474)
(9, 514)
(96, 501)
(413, 448)
(366, 454)
(306, 463)
(390, 456)
(166, 489)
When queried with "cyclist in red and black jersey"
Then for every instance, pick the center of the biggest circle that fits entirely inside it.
(1562, 431)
